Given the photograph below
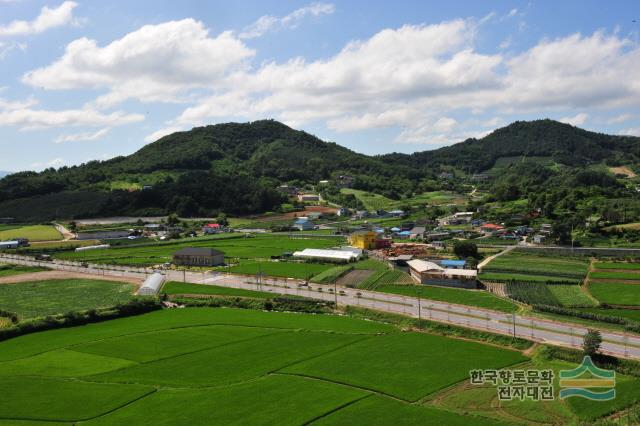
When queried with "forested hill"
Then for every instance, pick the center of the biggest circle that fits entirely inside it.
(567, 145)
(235, 168)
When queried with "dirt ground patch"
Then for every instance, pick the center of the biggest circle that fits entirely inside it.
(291, 215)
(355, 277)
(622, 170)
(64, 275)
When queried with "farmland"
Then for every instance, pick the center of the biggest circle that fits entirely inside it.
(40, 298)
(616, 294)
(480, 299)
(10, 270)
(373, 201)
(235, 246)
(246, 362)
(535, 268)
(31, 232)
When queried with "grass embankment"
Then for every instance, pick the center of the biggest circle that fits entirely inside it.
(178, 288)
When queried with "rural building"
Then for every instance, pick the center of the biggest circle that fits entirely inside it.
(365, 240)
(342, 211)
(452, 264)
(314, 215)
(340, 256)
(417, 232)
(198, 256)
(96, 247)
(430, 273)
(102, 235)
(303, 224)
(346, 181)
(539, 239)
(287, 190)
(154, 227)
(152, 285)
(434, 236)
(396, 213)
(212, 228)
(308, 197)
(491, 228)
(6, 245)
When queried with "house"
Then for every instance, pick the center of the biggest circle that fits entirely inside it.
(438, 245)
(308, 197)
(400, 260)
(383, 243)
(396, 213)
(212, 228)
(417, 232)
(154, 227)
(407, 226)
(314, 215)
(539, 239)
(287, 190)
(342, 211)
(365, 240)
(362, 214)
(403, 234)
(198, 256)
(491, 228)
(545, 229)
(303, 224)
(464, 217)
(430, 273)
(346, 181)
(433, 236)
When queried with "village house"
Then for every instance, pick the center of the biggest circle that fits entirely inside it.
(365, 240)
(287, 190)
(308, 197)
(345, 181)
(342, 211)
(491, 228)
(417, 232)
(303, 224)
(212, 228)
(198, 256)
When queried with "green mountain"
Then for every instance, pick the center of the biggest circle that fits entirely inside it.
(235, 168)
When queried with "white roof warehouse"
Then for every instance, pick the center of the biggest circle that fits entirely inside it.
(327, 255)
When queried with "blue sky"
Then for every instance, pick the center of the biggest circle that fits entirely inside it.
(92, 80)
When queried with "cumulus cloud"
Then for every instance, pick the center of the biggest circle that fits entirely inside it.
(55, 163)
(620, 118)
(29, 119)
(82, 137)
(156, 63)
(268, 23)
(577, 120)
(162, 132)
(47, 19)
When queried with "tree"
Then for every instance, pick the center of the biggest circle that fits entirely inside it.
(464, 249)
(591, 343)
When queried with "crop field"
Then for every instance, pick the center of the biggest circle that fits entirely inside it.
(616, 265)
(373, 201)
(571, 296)
(331, 274)
(477, 298)
(616, 294)
(231, 366)
(233, 245)
(532, 293)
(298, 270)
(509, 276)
(174, 288)
(9, 270)
(40, 298)
(31, 232)
(539, 268)
(615, 276)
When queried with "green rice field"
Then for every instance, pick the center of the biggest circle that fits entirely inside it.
(535, 267)
(9, 270)
(31, 232)
(174, 288)
(232, 366)
(298, 270)
(477, 298)
(233, 245)
(616, 265)
(40, 298)
(616, 294)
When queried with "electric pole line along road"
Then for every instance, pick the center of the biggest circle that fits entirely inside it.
(624, 345)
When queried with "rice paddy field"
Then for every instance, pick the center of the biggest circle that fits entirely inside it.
(373, 201)
(41, 298)
(31, 232)
(477, 298)
(178, 288)
(522, 266)
(615, 283)
(231, 366)
(235, 246)
(10, 270)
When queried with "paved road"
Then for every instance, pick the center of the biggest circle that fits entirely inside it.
(620, 344)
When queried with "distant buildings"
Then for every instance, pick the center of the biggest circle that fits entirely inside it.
(308, 197)
(212, 228)
(491, 228)
(198, 256)
(342, 211)
(102, 235)
(339, 256)
(365, 240)
(9, 245)
(287, 190)
(303, 224)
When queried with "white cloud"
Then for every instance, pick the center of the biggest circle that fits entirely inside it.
(620, 118)
(162, 132)
(632, 131)
(55, 163)
(81, 137)
(47, 19)
(29, 119)
(268, 23)
(156, 63)
(8, 47)
(577, 120)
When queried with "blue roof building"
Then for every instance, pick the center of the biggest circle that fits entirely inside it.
(453, 264)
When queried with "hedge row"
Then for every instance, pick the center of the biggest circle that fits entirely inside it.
(281, 304)
(134, 307)
(620, 365)
(439, 328)
(629, 325)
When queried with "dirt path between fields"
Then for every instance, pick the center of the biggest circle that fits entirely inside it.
(64, 275)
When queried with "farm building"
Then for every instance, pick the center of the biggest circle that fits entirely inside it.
(303, 224)
(152, 285)
(490, 228)
(308, 197)
(417, 232)
(198, 256)
(452, 264)
(425, 272)
(96, 247)
(365, 240)
(288, 190)
(342, 211)
(212, 228)
(340, 256)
